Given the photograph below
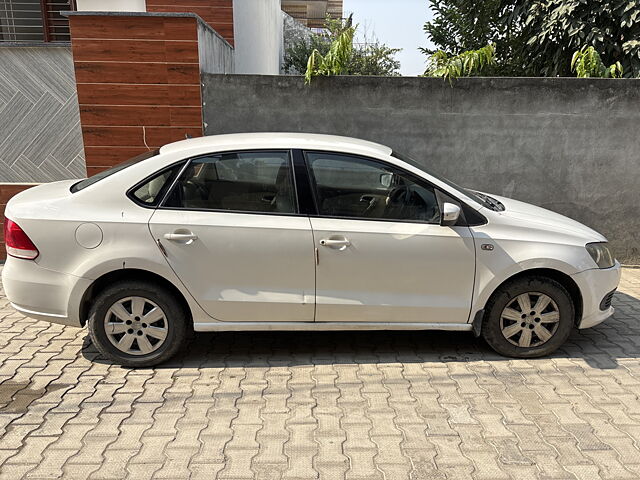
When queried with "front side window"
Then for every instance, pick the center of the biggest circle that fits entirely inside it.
(354, 187)
(243, 181)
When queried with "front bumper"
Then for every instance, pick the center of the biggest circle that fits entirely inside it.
(41, 293)
(594, 285)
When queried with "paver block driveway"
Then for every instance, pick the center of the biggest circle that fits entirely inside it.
(357, 405)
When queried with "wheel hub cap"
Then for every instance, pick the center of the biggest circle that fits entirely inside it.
(530, 319)
(136, 325)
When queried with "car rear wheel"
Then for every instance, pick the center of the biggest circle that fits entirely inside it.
(529, 317)
(137, 324)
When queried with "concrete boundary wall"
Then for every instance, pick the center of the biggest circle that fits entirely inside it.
(569, 145)
(214, 52)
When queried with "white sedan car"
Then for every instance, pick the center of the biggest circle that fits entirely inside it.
(276, 231)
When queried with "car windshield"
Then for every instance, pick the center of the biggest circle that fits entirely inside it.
(482, 199)
(76, 187)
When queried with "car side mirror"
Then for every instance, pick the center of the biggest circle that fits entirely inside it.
(450, 214)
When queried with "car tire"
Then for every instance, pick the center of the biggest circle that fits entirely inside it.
(146, 344)
(508, 333)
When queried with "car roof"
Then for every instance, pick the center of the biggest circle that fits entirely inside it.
(308, 141)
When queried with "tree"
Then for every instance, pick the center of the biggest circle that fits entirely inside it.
(539, 37)
(374, 58)
(552, 30)
(297, 56)
(466, 25)
(367, 58)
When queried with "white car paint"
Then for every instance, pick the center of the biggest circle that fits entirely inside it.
(394, 272)
(266, 264)
(259, 272)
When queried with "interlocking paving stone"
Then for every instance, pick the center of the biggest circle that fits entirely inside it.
(355, 405)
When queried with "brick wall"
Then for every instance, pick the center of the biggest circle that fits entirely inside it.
(138, 81)
(217, 13)
(8, 190)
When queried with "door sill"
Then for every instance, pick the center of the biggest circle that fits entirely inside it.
(326, 326)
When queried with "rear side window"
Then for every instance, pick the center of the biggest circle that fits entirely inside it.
(76, 187)
(244, 182)
(152, 190)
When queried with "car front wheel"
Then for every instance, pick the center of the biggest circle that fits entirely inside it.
(528, 317)
(137, 324)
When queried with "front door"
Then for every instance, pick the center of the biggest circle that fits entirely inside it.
(231, 232)
(382, 254)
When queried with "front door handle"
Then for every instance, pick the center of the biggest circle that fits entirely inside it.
(335, 242)
(181, 236)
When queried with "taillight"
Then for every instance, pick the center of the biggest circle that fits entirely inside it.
(17, 242)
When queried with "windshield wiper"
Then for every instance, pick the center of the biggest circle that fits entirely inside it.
(492, 203)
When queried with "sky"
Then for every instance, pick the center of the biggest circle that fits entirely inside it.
(397, 23)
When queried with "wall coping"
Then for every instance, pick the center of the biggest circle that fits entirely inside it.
(23, 183)
(379, 79)
(198, 18)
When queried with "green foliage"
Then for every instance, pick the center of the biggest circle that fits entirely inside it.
(367, 58)
(336, 61)
(538, 37)
(297, 56)
(466, 64)
(374, 59)
(551, 29)
(458, 26)
(586, 63)
(463, 25)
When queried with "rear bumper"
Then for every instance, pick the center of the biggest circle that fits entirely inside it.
(594, 285)
(41, 293)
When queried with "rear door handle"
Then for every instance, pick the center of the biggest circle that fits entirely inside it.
(180, 237)
(334, 242)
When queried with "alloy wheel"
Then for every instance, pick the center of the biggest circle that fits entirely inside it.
(136, 325)
(530, 319)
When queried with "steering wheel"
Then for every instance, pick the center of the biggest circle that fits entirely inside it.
(408, 201)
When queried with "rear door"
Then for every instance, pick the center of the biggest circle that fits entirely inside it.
(232, 233)
(382, 254)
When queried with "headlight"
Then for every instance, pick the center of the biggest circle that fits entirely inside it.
(601, 254)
